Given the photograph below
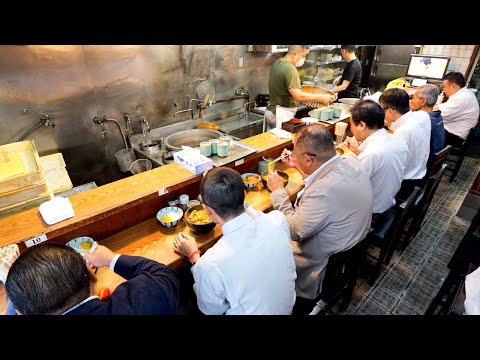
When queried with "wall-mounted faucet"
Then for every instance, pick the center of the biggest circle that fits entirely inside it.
(182, 111)
(241, 92)
(143, 120)
(127, 118)
(44, 120)
(44, 116)
(198, 105)
(248, 107)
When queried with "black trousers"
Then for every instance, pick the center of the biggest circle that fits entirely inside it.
(454, 140)
(303, 306)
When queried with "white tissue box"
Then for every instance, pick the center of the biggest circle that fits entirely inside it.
(193, 161)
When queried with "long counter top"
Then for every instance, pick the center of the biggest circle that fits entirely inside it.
(145, 237)
(93, 204)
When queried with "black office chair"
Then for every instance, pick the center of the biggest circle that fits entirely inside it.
(387, 232)
(341, 275)
(421, 205)
(458, 154)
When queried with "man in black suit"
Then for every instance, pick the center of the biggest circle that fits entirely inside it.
(54, 279)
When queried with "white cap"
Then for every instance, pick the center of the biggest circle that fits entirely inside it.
(184, 199)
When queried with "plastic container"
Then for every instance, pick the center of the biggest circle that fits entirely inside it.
(125, 158)
(140, 165)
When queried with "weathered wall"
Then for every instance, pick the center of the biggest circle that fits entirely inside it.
(75, 83)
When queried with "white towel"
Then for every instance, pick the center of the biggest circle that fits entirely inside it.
(56, 210)
(282, 134)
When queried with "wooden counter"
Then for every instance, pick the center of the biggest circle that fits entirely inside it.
(151, 240)
(121, 215)
(107, 200)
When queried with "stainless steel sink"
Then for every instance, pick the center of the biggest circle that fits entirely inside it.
(239, 126)
(190, 137)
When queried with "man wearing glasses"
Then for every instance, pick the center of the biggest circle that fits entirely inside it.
(415, 128)
(331, 214)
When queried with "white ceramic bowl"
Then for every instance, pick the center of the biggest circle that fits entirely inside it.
(174, 212)
(309, 120)
(251, 184)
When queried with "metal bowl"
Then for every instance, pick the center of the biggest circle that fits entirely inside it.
(151, 145)
(192, 138)
(198, 228)
(281, 173)
(349, 101)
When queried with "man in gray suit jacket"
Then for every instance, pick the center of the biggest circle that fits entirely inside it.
(331, 214)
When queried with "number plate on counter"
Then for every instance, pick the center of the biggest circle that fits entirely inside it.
(36, 240)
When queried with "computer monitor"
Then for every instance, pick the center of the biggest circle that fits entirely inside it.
(427, 66)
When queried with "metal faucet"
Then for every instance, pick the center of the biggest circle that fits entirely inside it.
(143, 120)
(182, 111)
(44, 116)
(241, 92)
(198, 105)
(247, 105)
(45, 119)
(127, 118)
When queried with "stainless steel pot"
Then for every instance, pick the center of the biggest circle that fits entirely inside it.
(191, 137)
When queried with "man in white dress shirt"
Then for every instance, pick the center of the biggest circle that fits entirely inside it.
(415, 128)
(250, 270)
(383, 156)
(460, 112)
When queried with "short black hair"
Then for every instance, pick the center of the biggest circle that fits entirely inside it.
(223, 190)
(396, 99)
(349, 48)
(47, 279)
(369, 112)
(456, 77)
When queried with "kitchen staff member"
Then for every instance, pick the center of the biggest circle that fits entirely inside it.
(348, 85)
(285, 89)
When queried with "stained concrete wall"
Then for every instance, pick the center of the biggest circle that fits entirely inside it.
(73, 84)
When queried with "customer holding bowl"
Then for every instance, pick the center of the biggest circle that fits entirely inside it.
(54, 279)
(331, 214)
(250, 270)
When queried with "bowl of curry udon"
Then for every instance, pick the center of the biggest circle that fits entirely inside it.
(197, 219)
(282, 174)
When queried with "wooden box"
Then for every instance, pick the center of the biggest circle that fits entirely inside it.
(21, 195)
(55, 172)
(20, 166)
(293, 125)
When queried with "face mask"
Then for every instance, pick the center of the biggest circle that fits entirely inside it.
(300, 62)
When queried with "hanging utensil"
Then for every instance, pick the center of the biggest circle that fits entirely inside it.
(206, 88)
(206, 125)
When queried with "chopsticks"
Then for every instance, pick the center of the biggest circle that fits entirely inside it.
(94, 246)
(273, 161)
(344, 143)
(341, 144)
